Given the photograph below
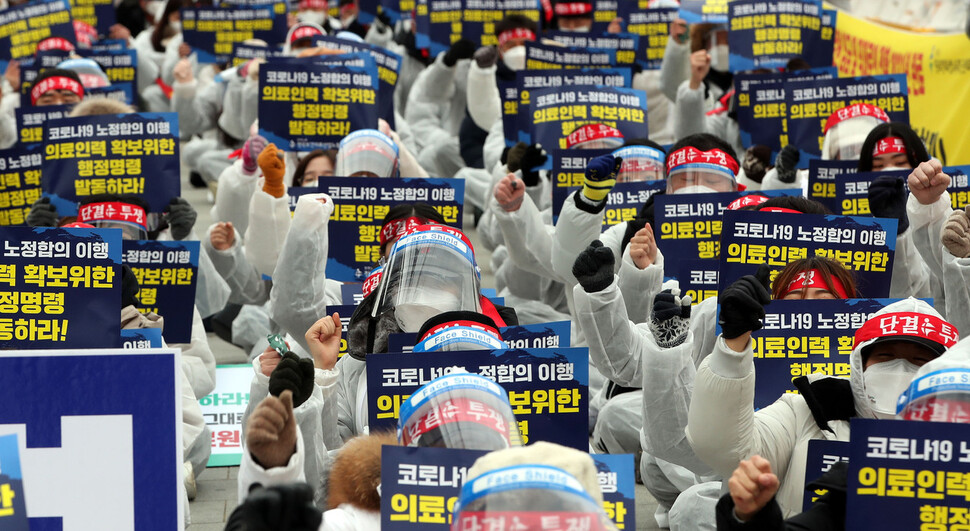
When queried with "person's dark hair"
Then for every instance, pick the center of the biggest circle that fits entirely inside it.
(793, 202)
(406, 210)
(56, 72)
(797, 63)
(331, 154)
(643, 142)
(829, 269)
(704, 142)
(515, 22)
(915, 150)
(161, 27)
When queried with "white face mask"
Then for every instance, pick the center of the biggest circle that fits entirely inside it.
(176, 26)
(884, 383)
(514, 58)
(893, 168)
(579, 29)
(314, 17)
(422, 305)
(695, 189)
(719, 57)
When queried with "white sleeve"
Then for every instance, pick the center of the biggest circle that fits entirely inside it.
(614, 342)
(269, 222)
(528, 239)
(198, 362)
(576, 228)
(236, 190)
(246, 285)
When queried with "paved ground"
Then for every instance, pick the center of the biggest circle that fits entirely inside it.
(217, 486)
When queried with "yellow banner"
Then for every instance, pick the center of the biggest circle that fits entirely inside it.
(937, 69)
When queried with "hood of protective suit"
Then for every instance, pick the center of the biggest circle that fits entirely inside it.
(859, 395)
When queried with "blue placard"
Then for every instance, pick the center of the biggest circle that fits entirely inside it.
(767, 34)
(623, 203)
(548, 388)
(568, 172)
(540, 335)
(388, 69)
(623, 46)
(120, 67)
(866, 246)
(697, 278)
(822, 455)
(212, 31)
(394, 9)
(908, 475)
(167, 273)
(244, 52)
(959, 188)
(821, 180)
(19, 183)
(99, 14)
(516, 95)
(439, 23)
(360, 204)
(307, 104)
(123, 92)
(810, 103)
(802, 337)
(653, 27)
(431, 478)
(557, 112)
(13, 505)
(141, 338)
(23, 26)
(351, 293)
(61, 288)
(118, 409)
(761, 109)
(540, 56)
(698, 11)
(109, 46)
(688, 226)
(135, 153)
(852, 191)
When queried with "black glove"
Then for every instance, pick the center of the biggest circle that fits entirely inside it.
(486, 56)
(669, 304)
(755, 162)
(293, 373)
(671, 318)
(277, 508)
(785, 163)
(514, 158)
(887, 199)
(181, 217)
(385, 21)
(743, 303)
(42, 214)
(593, 267)
(462, 49)
(533, 156)
(129, 287)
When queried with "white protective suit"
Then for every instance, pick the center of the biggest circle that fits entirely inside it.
(723, 427)
(925, 227)
(435, 110)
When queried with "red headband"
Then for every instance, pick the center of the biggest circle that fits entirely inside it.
(592, 132)
(304, 32)
(748, 200)
(314, 4)
(399, 227)
(814, 279)
(936, 409)
(889, 145)
(113, 211)
(854, 111)
(515, 33)
(571, 9)
(55, 83)
(909, 324)
(692, 155)
(373, 280)
(458, 409)
(490, 330)
(55, 43)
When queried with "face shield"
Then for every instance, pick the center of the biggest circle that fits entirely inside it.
(90, 72)
(846, 129)
(690, 170)
(459, 331)
(527, 497)
(938, 396)
(459, 410)
(129, 218)
(595, 136)
(428, 272)
(367, 153)
(640, 163)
